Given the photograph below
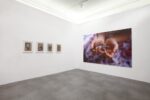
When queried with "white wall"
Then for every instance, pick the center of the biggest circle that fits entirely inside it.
(19, 23)
(139, 21)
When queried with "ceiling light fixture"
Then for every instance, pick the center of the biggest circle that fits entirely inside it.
(83, 3)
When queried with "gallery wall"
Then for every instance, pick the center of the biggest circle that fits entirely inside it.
(19, 23)
(139, 21)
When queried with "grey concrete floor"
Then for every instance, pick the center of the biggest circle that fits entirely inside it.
(76, 85)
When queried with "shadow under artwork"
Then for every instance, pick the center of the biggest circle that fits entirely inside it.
(111, 48)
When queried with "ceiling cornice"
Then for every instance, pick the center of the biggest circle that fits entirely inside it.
(82, 17)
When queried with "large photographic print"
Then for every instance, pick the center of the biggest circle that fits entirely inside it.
(111, 48)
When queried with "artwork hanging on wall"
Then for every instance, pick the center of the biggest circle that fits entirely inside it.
(49, 47)
(27, 46)
(58, 48)
(40, 47)
(111, 48)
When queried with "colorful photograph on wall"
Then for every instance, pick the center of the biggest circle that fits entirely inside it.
(110, 48)
(28, 46)
(40, 47)
(49, 47)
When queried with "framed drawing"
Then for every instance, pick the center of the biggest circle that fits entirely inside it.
(58, 48)
(27, 46)
(40, 47)
(49, 47)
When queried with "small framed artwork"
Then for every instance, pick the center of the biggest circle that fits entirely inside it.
(27, 46)
(40, 47)
(49, 47)
(58, 48)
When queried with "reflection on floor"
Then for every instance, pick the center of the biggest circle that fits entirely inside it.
(76, 85)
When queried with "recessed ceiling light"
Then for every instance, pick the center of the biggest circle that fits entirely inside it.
(83, 3)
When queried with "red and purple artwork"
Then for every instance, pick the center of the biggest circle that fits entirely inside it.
(111, 48)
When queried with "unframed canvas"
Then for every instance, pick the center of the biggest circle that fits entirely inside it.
(111, 48)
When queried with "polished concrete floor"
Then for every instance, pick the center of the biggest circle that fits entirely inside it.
(76, 85)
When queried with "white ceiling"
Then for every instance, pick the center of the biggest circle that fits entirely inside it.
(79, 11)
